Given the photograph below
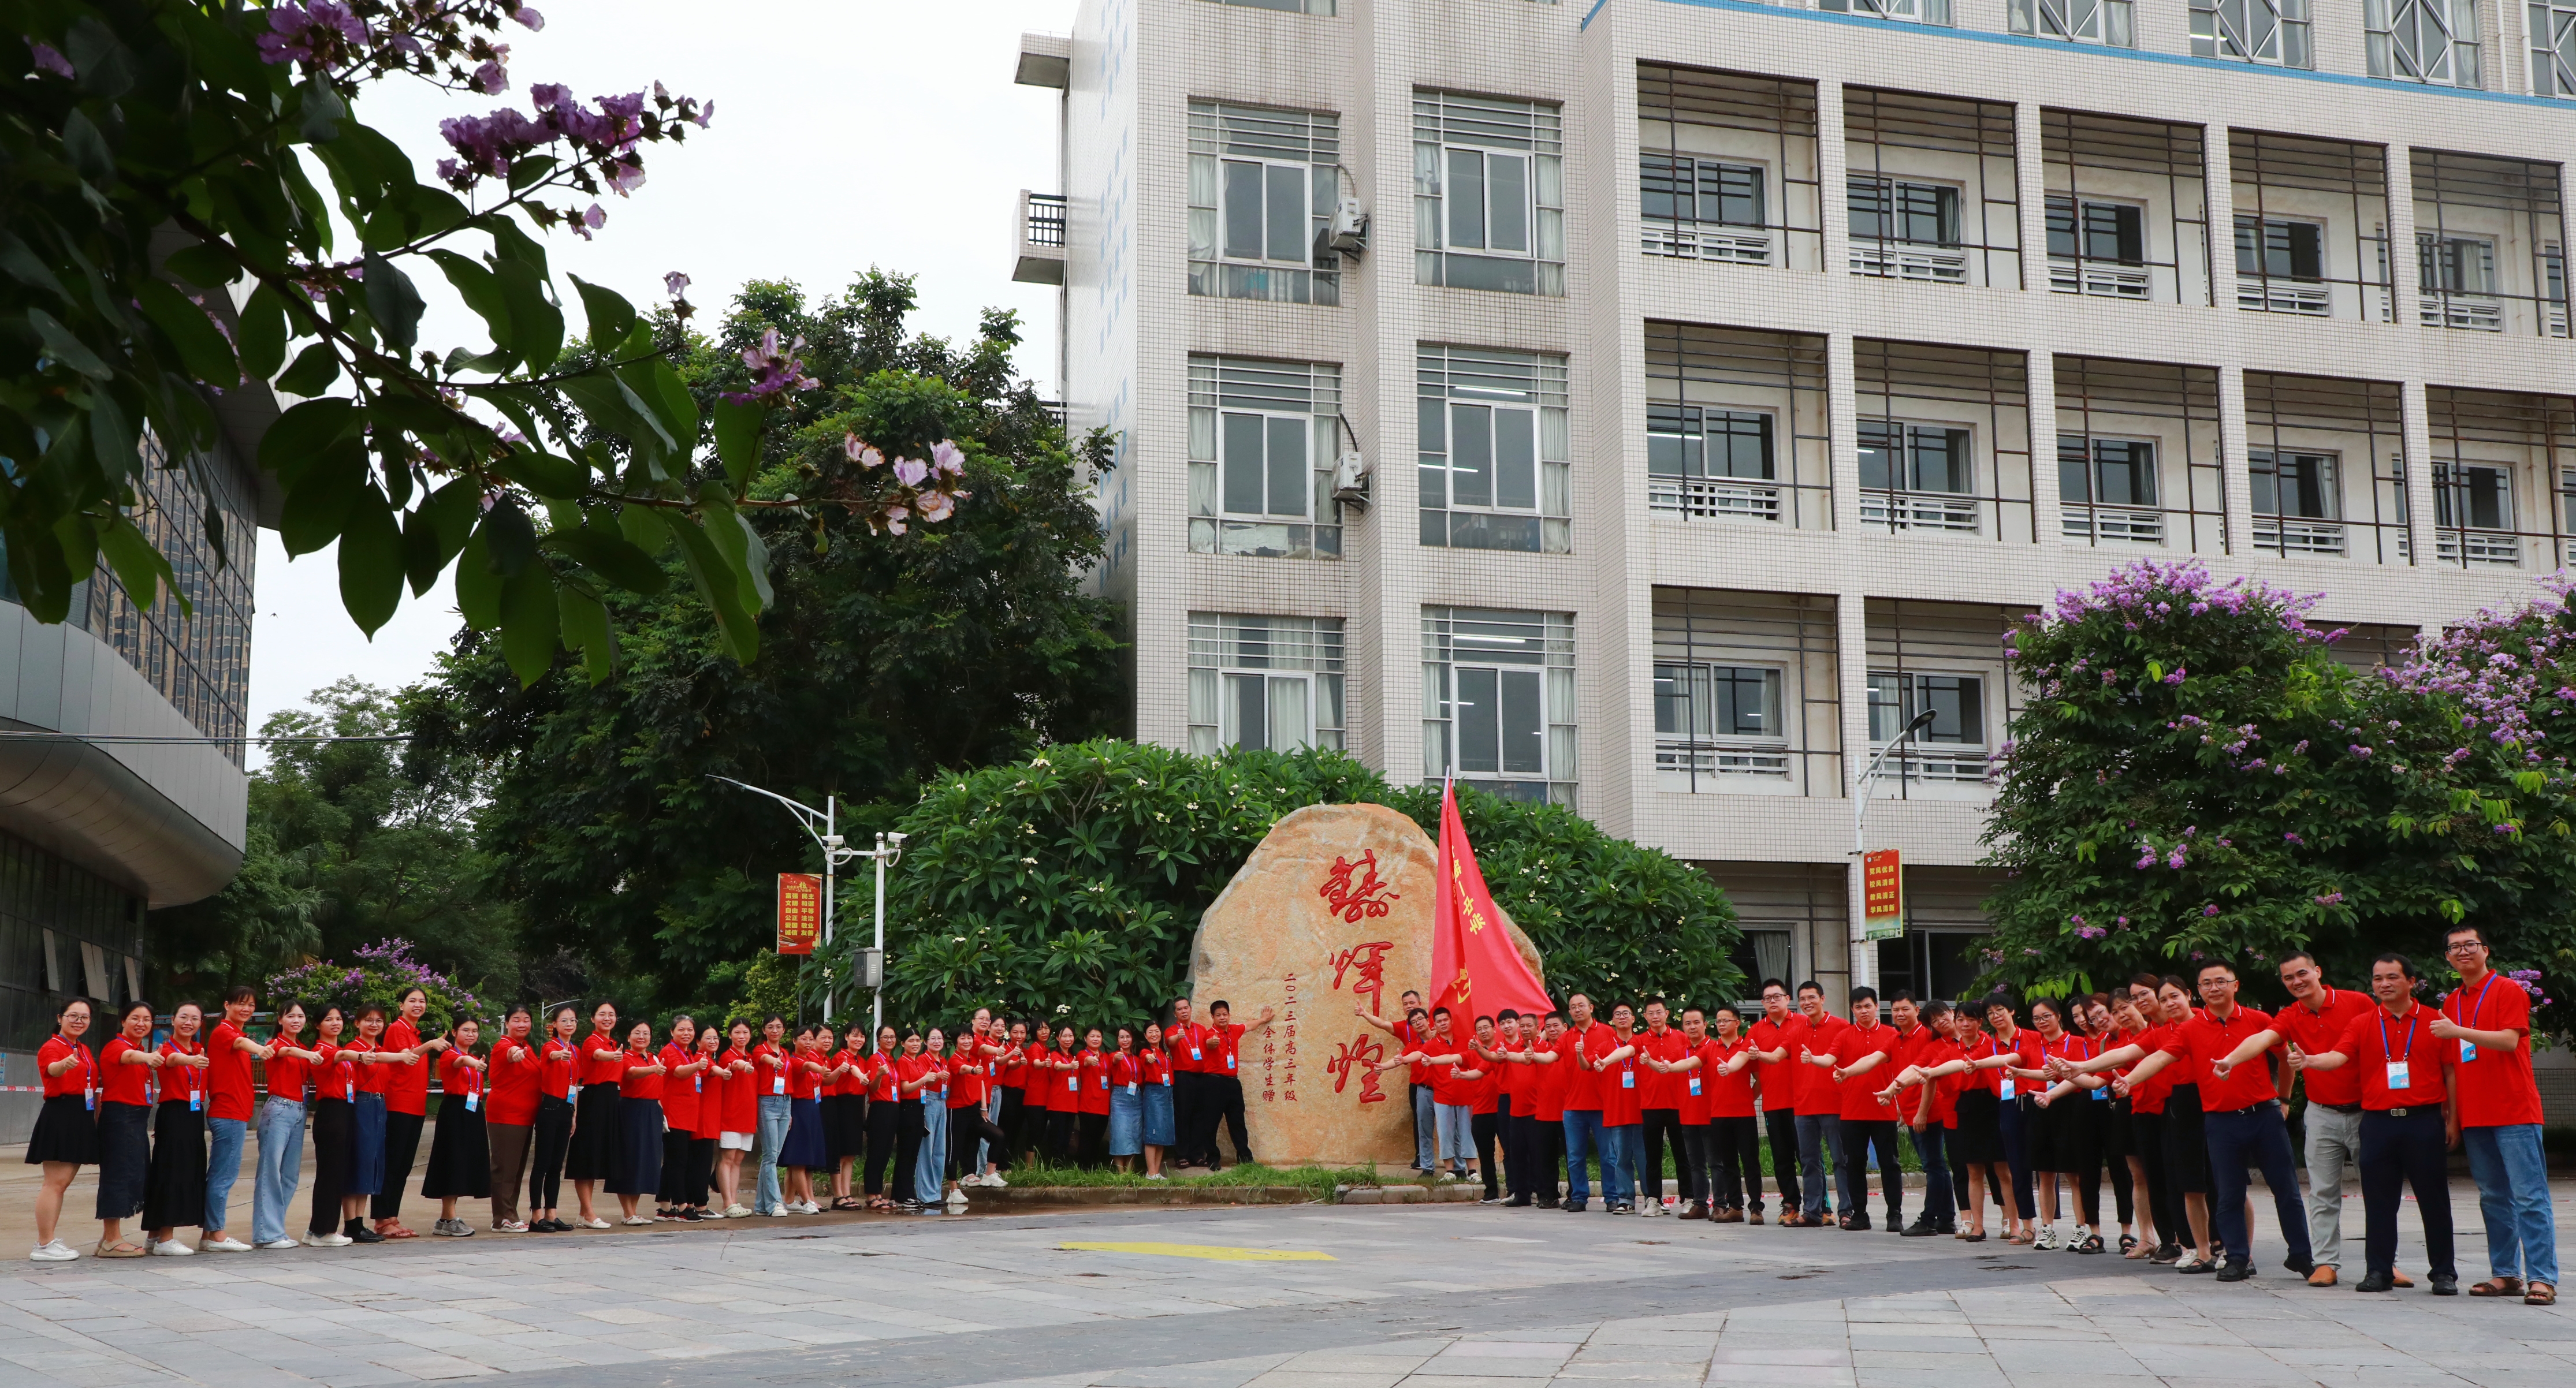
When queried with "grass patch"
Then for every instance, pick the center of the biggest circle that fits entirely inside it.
(1318, 1181)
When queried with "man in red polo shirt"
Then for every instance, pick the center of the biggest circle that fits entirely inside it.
(1775, 1086)
(1411, 1028)
(1659, 1105)
(1811, 1038)
(2487, 1019)
(2315, 1020)
(2223, 1045)
(2403, 1075)
(1583, 1139)
(1868, 1121)
(1188, 1043)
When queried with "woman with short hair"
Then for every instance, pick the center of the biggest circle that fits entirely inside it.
(598, 1151)
(1156, 1066)
(558, 1085)
(66, 1135)
(739, 1131)
(281, 1130)
(375, 1064)
(639, 1122)
(126, 1064)
(845, 1113)
(174, 1191)
(335, 1091)
(460, 1153)
(514, 1082)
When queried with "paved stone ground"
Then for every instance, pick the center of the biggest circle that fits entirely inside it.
(1411, 1297)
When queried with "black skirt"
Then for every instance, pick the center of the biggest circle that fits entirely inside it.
(596, 1145)
(66, 1130)
(2186, 1142)
(639, 1167)
(460, 1154)
(845, 1126)
(124, 1159)
(2118, 1142)
(1981, 1135)
(174, 1190)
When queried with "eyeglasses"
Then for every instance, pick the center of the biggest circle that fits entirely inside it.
(2466, 947)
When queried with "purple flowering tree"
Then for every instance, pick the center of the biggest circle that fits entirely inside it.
(379, 973)
(2193, 776)
(177, 175)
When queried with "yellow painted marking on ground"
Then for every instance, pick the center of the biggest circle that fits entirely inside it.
(1216, 1252)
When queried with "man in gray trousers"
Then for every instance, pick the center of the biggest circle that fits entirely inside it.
(2315, 1021)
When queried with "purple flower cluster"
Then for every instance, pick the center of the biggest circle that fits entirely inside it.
(322, 34)
(602, 137)
(775, 369)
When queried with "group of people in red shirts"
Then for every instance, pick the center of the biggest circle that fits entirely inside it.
(2169, 1087)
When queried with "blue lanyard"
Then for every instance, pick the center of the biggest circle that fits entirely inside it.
(2411, 1020)
(2480, 1005)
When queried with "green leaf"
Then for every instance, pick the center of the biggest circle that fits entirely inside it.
(478, 588)
(66, 347)
(738, 440)
(88, 149)
(605, 552)
(662, 388)
(536, 325)
(586, 629)
(530, 623)
(302, 433)
(24, 266)
(394, 302)
(611, 317)
(481, 292)
(315, 368)
(320, 111)
(510, 536)
(433, 534)
(203, 266)
(371, 561)
(112, 437)
(320, 495)
(139, 565)
(202, 348)
(716, 583)
(263, 333)
(543, 473)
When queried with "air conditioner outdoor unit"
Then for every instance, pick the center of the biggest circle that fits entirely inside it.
(1351, 479)
(1348, 233)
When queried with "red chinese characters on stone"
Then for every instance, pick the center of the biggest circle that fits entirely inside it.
(1370, 960)
(1355, 901)
(1362, 1054)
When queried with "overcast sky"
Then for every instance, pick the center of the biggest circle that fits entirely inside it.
(846, 135)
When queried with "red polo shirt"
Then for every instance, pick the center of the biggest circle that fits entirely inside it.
(2496, 1088)
(123, 1083)
(228, 1080)
(1662, 1090)
(680, 1095)
(516, 1074)
(558, 1057)
(2318, 1032)
(1446, 1087)
(406, 1086)
(1861, 1103)
(600, 1060)
(1817, 1095)
(75, 1078)
(2374, 1039)
(2205, 1040)
(1775, 1085)
(1582, 1090)
(1548, 1082)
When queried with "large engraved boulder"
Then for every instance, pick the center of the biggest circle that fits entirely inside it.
(1331, 913)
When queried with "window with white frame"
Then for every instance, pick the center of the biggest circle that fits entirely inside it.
(2433, 41)
(2472, 496)
(1494, 450)
(1730, 716)
(1707, 197)
(1696, 441)
(2076, 21)
(1267, 683)
(1263, 185)
(1262, 441)
(1949, 748)
(1498, 701)
(2453, 264)
(2553, 48)
(2252, 31)
(2097, 247)
(1902, 457)
(2296, 486)
(2107, 488)
(1488, 193)
(1914, 11)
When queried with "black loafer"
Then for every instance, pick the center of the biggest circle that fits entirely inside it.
(2445, 1284)
(2235, 1272)
(2375, 1282)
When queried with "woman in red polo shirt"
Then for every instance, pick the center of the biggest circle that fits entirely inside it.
(710, 1080)
(406, 1107)
(66, 1135)
(1045, 1087)
(680, 1091)
(1735, 1135)
(640, 1079)
(125, 1064)
(174, 1191)
(884, 1118)
(1092, 1068)
(335, 1087)
(1155, 1067)
(460, 1154)
(805, 1152)
(845, 1114)
(598, 1150)
(512, 1085)
(559, 1067)
(739, 1130)
(916, 1072)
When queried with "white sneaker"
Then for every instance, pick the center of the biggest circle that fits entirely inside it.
(780, 1213)
(55, 1251)
(331, 1240)
(957, 1202)
(1156, 1176)
(636, 1219)
(737, 1212)
(1448, 1176)
(2047, 1240)
(996, 1182)
(277, 1243)
(226, 1244)
(594, 1222)
(171, 1248)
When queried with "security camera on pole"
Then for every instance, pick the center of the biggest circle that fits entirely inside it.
(823, 826)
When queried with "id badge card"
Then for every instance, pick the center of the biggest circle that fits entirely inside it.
(1131, 1089)
(2008, 1086)
(90, 1093)
(1694, 1089)
(473, 1101)
(1627, 1079)
(778, 1085)
(196, 1101)
(1229, 1060)
(572, 1094)
(1194, 1053)
(1167, 1079)
(2397, 1075)
(1073, 1084)
(697, 1084)
(2102, 1095)
(2468, 1050)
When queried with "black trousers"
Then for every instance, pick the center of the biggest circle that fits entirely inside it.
(1527, 1148)
(1225, 1102)
(1699, 1151)
(1014, 1127)
(1860, 1138)
(1094, 1139)
(908, 1133)
(402, 1143)
(1782, 1125)
(1485, 1127)
(675, 1167)
(1550, 1146)
(884, 1136)
(332, 1122)
(1736, 1144)
(2408, 1151)
(1662, 1124)
(2147, 1131)
(965, 1126)
(702, 1171)
(1063, 1145)
(1189, 1095)
(553, 1139)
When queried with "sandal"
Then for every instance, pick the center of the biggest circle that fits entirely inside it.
(1977, 1237)
(2498, 1286)
(2540, 1294)
(2092, 1244)
(2127, 1242)
(846, 1203)
(119, 1249)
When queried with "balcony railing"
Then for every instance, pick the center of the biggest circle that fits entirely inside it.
(2118, 525)
(1770, 761)
(2467, 312)
(2284, 296)
(2289, 536)
(1038, 234)
(1921, 511)
(2476, 549)
(1705, 498)
(1937, 765)
(2102, 279)
(1905, 260)
(1265, 539)
(1735, 247)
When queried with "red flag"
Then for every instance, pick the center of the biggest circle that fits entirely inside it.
(1474, 967)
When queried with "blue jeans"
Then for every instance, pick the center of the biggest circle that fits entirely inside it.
(281, 1166)
(2255, 1137)
(2513, 1198)
(774, 1113)
(1819, 1135)
(1623, 1160)
(1426, 1127)
(929, 1172)
(1582, 1139)
(224, 1137)
(1457, 1144)
(1931, 1144)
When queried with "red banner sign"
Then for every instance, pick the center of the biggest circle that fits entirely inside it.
(800, 912)
(1882, 893)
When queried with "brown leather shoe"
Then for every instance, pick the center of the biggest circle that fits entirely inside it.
(2400, 1279)
(1733, 1217)
(2322, 1277)
(1752, 1216)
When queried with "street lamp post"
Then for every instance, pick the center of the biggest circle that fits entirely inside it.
(823, 826)
(1864, 971)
